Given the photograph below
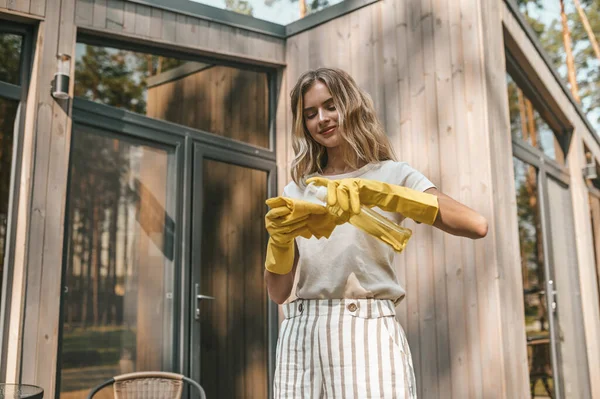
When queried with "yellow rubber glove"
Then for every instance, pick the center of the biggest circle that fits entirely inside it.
(351, 193)
(290, 218)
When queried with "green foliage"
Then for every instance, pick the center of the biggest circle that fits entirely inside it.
(106, 76)
(239, 6)
(551, 38)
(10, 57)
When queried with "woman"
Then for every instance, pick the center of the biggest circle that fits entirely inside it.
(340, 338)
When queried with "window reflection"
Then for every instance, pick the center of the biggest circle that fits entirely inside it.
(527, 125)
(537, 324)
(118, 305)
(10, 58)
(229, 102)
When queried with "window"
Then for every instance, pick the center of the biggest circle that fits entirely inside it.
(222, 100)
(527, 125)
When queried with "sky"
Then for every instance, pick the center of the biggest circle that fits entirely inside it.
(281, 12)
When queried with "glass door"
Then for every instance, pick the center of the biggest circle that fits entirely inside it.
(538, 283)
(571, 346)
(120, 300)
(231, 342)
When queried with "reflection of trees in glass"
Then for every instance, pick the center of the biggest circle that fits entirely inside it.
(118, 77)
(99, 195)
(528, 125)
(550, 35)
(10, 57)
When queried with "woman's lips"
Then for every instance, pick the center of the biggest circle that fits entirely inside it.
(328, 131)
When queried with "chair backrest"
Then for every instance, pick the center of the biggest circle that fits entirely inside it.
(148, 385)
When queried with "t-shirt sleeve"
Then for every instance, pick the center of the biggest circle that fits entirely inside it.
(409, 177)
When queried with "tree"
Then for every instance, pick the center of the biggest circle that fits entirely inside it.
(585, 62)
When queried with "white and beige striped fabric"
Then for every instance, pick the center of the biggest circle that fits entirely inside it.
(343, 348)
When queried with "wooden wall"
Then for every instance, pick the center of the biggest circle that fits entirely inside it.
(35, 8)
(422, 61)
(139, 22)
(40, 226)
(579, 191)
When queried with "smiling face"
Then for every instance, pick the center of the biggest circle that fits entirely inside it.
(321, 118)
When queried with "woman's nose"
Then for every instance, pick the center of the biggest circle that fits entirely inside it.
(323, 116)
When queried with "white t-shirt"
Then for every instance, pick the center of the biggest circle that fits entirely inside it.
(351, 263)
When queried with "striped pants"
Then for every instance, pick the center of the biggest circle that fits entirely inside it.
(343, 348)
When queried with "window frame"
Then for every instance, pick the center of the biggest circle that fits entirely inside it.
(19, 93)
(123, 123)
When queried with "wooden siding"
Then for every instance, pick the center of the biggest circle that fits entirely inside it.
(230, 102)
(35, 8)
(141, 23)
(423, 64)
(46, 224)
(522, 47)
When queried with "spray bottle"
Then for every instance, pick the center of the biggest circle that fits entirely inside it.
(370, 221)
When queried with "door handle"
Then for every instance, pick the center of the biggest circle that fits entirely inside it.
(552, 293)
(199, 298)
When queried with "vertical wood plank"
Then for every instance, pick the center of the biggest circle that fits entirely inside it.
(182, 31)
(194, 26)
(417, 108)
(156, 23)
(142, 20)
(456, 271)
(203, 33)
(403, 140)
(115, 15)
(428, 253)
(37, 7)
(448, 178)
(50, 199)
(84, 12)
(3, 3)
(35, 256)
(99, 14)
(18, 5)
(169, 26)
(129, 18)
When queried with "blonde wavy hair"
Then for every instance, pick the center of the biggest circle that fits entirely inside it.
(363, 137)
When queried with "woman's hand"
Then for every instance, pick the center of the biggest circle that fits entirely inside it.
(350, 194)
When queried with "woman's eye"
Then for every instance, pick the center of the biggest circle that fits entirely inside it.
(310, 116)
(331, 108)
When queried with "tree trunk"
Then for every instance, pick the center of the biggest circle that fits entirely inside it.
(569, 52)
(302, 4)
(588, 28)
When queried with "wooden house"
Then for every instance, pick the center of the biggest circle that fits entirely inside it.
(140, 138)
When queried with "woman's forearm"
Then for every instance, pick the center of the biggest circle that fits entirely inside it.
(279, 286)
(458, 219)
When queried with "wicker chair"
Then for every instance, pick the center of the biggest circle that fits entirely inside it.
(148, 385)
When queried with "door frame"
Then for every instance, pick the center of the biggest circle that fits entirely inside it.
(19, 93)
(548, 168)
(116, 122)
(200, 152)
